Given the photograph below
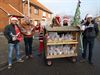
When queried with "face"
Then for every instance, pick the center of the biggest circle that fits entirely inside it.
(89, 19)
(14, 21)
(65, 21)
(38, 22)
(27, 22)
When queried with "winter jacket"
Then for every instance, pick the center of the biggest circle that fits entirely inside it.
(91, 31)
(10, 29)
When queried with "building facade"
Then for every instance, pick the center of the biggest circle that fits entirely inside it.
(37, 12)
(9, 8)
(21, 8)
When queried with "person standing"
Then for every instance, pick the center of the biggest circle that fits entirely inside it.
(40, 31)
(90, 32)
(28, 32)
(13, 35)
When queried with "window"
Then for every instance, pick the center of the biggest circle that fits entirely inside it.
(49, 15)
(44, 14)
(36, 11)
(23, 0)
(35, 22)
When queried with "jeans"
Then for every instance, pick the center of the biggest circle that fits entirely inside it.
(12, 47)
(88, 43)
(28, 45)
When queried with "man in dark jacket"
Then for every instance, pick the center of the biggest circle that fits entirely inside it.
(12, 33)
(89, 34)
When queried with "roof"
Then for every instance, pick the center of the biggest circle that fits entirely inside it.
(38, 4)
(10, 10)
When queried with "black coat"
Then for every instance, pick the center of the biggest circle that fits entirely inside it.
(7, 32)
(89, 29)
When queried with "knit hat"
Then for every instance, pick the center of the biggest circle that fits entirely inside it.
(14, 18)
(89, 16)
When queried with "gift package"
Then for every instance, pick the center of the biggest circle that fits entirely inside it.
(54, 36)
(61, 49)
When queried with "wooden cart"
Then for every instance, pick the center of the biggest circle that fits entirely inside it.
(60, 42)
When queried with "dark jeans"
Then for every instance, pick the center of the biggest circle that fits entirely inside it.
(28, 45)
(88, 45)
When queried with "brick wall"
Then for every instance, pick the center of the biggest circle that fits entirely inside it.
(33, 16)
(3, 20)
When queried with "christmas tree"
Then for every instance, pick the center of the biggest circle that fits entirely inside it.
(76, 20)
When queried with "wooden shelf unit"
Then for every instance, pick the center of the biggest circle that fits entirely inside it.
(74, 42)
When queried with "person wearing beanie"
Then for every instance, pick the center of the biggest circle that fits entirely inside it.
(13, 35)
(56, 21)
(27, 30)
(40, 28)
(65, 21)
(90, 32)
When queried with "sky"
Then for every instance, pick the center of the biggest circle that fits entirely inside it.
(68, 7)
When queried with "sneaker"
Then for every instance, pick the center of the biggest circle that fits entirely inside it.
(49, 63)
(9, 66)
(27, 57)
(31, 56)
(20, 61)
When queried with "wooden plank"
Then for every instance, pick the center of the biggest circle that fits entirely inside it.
(60, 43)
(60, 56)
(63, 28)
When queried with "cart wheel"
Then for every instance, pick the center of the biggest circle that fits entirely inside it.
(49, 62)
(74, 60)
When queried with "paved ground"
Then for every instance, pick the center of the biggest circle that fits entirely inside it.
(36, 66)
(4, 49)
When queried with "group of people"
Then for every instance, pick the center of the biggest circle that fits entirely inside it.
(15, 33)
(56, 21)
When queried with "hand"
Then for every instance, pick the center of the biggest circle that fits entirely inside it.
(83, 28)
(14, 38)
(29, 33)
